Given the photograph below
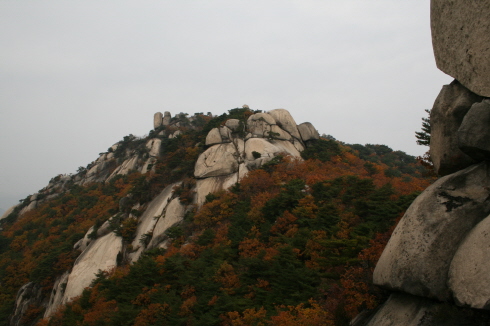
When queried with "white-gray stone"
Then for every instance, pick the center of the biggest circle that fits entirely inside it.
(8, 211)
(213, 137)
(461, 41)
(29, 294)
(285, 121)
(225, 133)
(402, 309)
(174, 213)
(308, 132)
(154, 145)
(32, 205)
(218, 160)
(101, 254)
(57, 293)
(259, 124)
(157, 120)
(407, 310)
(233, 124)
(448, 111)
(175, 134)
(469, 276)
(210, 185)
(474, 132)
(149, 165)
(166, 118)
(268, 148)
(416, 259)
(279, 134)
(131, 164)
(149, 218)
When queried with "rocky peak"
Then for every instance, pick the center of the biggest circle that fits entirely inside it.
(228, 153)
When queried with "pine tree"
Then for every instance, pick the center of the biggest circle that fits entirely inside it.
(423, 137)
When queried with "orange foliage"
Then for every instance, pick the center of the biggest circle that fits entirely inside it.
(299, 315)
(284, 224)
(359, 292)
(249, 317)
(217, 210)
(185, 308)
(259, 200)
(151, 314)
(144, 298)
(227, 276)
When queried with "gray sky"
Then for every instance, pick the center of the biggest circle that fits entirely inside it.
(77, 76)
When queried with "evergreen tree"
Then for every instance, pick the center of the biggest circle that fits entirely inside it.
(423, 137)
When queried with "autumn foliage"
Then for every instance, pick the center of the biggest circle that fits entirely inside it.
(294, 243)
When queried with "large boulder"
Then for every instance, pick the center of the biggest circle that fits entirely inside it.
(157, 120)
(474, 132)
(233, 124)
(407, 310)
(308, 132)
(469, 276)
(417, 258)
(461, 41)
(447, 114)
(218, 160)
(285, 121)
(166, 118)
(213, 137)
(259, 124)
(268, 149)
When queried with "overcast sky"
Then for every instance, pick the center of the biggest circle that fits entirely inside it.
(77, 76)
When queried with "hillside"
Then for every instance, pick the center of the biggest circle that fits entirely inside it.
(295, 236)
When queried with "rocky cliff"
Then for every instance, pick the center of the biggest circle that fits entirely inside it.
(437, 260)
(225, 155)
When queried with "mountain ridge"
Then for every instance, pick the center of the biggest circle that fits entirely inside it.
(167, 157)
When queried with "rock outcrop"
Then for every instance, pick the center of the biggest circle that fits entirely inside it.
(233, 149)
(461, 41)
(469, 277)
(30, 294)
(447, 115)
(407, 310)
(419, 253)
(437, 259)
(473, 134)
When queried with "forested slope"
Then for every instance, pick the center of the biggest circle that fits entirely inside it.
(295, 240)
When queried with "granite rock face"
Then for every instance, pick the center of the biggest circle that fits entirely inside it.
(407, 310)
(474, 132)
(461, 41)
(29, 294)
(469, 277)
(157, 120)
(447, 114)
(308, 132)
(99, 255)
(285, 121)
(416, 260)
(218, 160)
